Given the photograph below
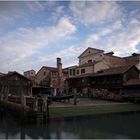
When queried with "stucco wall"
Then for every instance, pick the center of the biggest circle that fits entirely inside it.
(40, 75)
(93, 57)
(100, 66)
(88, 69)
(114, 61)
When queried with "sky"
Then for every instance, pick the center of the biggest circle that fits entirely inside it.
(34, 33)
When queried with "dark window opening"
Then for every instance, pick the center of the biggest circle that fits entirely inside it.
(73, 72)
(89, 61)
(70, 71)
(82, 70)
(77, 71)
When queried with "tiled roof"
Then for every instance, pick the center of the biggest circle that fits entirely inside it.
(132, 82)
(113, 71)
(92, 49)
(12, 73)
(29, 70)
(52, 68)
(132, 56)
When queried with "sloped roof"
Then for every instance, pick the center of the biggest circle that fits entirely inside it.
(1, 74)
(109, 54)
(92, 49)
(29, 70)
(46, 67)
(116, 70)
(132, 56)
(132, 82)
(51, 68)
(12, 73)
(111, 71)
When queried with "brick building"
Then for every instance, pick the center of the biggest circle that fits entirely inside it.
(53, 77)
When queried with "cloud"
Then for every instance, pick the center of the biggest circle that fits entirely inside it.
(18, 46)
(91, 12)
(9, 12)
(35, 6)
(118, 38)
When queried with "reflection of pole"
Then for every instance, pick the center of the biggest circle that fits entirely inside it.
(22, 133)
(58, 131)
(75, 96)
(36, 104)
(45, 108)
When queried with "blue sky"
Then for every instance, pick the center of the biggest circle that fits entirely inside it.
(33, 34)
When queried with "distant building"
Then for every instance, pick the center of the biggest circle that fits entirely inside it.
(94, 62)
(53, 77)
(31, 74)
(133, 59)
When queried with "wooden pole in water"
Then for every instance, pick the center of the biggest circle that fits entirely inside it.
(75, 96)
(45, 107)
(6, 93)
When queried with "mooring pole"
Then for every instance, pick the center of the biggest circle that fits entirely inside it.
(75, 96)
(45, 107)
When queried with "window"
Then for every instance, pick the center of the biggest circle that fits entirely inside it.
(77, 71)
(70, 71)
(73, 72)
(82, 70)
(89, 61)
(54, 74)
(44, 72)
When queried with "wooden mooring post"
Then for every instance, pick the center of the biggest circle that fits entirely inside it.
(41, 109)
(75, 96)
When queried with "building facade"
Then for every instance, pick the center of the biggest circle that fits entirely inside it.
(53, 77)
(94, 62)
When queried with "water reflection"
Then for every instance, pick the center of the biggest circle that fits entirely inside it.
(101, 126)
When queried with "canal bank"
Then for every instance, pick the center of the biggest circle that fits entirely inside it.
(67, 110)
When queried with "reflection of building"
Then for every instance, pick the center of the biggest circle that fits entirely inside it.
(14, 83)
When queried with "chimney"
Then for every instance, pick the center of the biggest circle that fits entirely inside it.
(134, 54)
(59, 67)
(110, 53)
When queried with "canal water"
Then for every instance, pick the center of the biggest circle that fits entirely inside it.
(114, 126)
